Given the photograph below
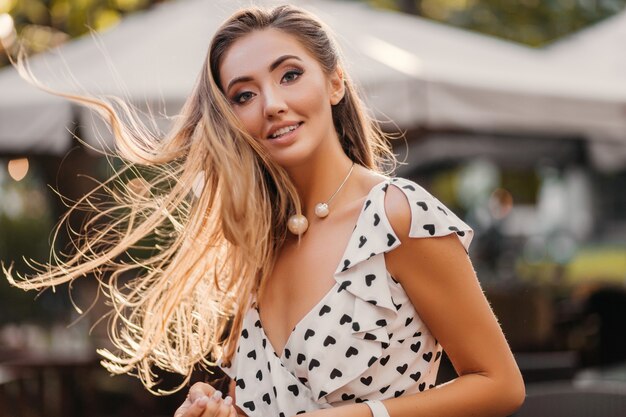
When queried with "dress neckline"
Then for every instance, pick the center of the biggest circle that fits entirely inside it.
(330, 290)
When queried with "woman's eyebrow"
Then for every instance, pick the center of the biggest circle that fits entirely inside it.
(272, 67)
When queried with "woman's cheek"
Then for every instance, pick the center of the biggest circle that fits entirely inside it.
(250, 123)
(307, 98)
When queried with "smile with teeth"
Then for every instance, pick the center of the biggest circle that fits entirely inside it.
(284, 130)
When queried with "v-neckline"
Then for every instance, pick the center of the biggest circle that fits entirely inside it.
(330, 290)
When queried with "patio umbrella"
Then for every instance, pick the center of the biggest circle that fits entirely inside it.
(414, 71)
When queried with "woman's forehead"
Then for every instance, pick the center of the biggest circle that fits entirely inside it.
(254, 53)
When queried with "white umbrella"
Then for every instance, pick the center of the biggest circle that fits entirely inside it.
(596, 55)
(414, 71)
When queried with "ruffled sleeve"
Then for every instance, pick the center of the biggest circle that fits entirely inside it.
(373, 234)
(430, 217)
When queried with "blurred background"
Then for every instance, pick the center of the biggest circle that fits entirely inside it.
(514, 114)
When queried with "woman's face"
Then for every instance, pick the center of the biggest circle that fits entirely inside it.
(281, 94)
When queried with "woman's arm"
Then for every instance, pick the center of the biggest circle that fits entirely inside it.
(440, 280)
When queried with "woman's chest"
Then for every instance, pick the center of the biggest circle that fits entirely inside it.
(302, 276)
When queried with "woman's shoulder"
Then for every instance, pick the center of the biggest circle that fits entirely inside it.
(397, 210)
(414, 214)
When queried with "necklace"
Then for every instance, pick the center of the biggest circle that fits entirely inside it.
(298, 224)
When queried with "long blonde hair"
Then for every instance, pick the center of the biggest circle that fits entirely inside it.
(211, 249)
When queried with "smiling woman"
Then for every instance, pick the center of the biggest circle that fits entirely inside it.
(347, 316)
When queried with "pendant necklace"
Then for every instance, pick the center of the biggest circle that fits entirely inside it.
(298, 223)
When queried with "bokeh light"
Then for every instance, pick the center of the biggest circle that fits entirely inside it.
(18, 168)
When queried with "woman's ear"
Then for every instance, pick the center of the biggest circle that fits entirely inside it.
(337, 86)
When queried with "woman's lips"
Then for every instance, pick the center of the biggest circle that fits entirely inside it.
(287, 137)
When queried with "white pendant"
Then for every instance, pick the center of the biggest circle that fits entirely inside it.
(321, 210)
(297, 224)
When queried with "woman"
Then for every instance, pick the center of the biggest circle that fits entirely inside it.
(344, 284)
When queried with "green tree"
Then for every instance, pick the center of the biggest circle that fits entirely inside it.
(42, 24)
(531, 22)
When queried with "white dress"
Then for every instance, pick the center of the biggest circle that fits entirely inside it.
(363, 340)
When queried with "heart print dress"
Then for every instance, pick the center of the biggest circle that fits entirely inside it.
(363, 340)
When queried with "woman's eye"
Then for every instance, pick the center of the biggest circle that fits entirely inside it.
(243, 97)
(292, 75)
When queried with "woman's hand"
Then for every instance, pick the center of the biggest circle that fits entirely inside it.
(205, 401)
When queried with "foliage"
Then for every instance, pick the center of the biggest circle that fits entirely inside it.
(532, 22)
(43, 24)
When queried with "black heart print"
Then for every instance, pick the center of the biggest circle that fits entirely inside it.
(313, 364)
(456, 229)
(325, 309)
(344, 285)
(351, 351)
(294, 389)
(415, 347)
(335, 373)
(346, 264)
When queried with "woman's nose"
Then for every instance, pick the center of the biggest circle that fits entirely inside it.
(274, 104)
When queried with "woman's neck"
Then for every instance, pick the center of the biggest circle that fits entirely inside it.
(319, 178)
